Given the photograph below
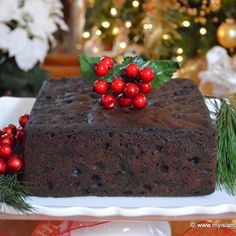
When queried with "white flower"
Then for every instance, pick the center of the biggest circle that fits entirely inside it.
(38, 13)
(9, 10)
(59, 21)
(41, 48)
(34, 51)
(26, 59)
(4, 36)
(35, 22)
(47, 19)
(56, 7)
(38, 10)
(18, 38)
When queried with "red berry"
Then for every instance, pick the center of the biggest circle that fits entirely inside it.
(3, 167)
(147, 74)
(107, 61)
(101, 69)
(131, 90)
(123, 101)
(11, 136)
(140, 101)
(108, 101)
(10, 129)
(13, 128)
(7, 140)
(6, 131)
(100, 86)
(145, 87)
(5, 151)
(117, 85)
(132, 70)
(15, 164)
(20, 134)
(23, 120)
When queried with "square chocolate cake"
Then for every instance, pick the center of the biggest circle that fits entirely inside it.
(74, 147)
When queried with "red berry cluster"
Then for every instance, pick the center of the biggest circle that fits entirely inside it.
(130, 87)
(10, 137)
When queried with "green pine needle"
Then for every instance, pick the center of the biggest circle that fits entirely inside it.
(226, 145)
(13, 193)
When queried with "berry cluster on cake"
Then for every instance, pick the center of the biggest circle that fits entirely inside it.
(130, 87)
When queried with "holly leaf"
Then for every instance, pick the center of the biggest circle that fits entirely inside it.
(87, 67)
(164, 69)
(160, 80)
(127, 60)
(139, 61)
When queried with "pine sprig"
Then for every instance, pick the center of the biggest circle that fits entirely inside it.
(226, 145)
(13, 193)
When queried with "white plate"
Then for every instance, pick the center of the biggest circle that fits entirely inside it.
(115, 207)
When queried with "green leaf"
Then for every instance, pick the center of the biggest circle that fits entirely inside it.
(164, 70)
(166, 67)
(87, 68)
(160, 80)
(128, 60)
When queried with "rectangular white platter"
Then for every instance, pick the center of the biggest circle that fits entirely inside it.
(217, 205)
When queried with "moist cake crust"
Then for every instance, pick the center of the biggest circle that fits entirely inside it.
(74, 147)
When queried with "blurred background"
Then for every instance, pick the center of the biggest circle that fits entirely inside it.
(199, 34)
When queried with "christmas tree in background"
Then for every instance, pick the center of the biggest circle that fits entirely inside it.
(177, 29)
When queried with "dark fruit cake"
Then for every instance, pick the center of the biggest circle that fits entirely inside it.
(73, 147)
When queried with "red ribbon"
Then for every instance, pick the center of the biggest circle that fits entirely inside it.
(62, 228)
